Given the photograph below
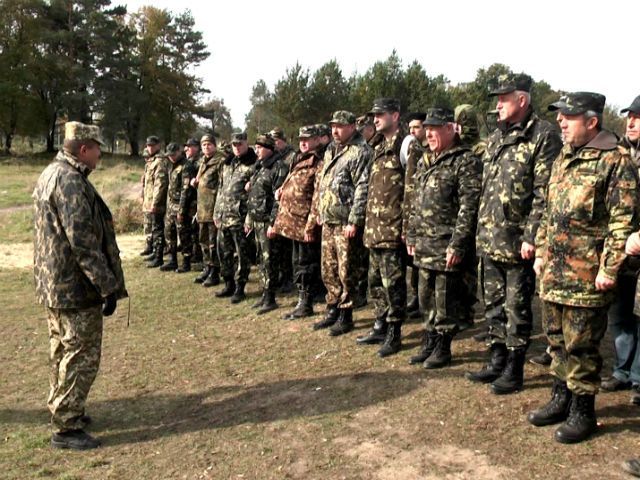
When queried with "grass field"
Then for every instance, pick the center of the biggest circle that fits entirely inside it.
(198, 388)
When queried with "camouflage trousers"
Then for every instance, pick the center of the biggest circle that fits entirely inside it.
(234, 250)
(268, 256)
(471, 282)
(306, 264)
(574, 335)
(508, 291)
(387, 283)
(174, 230)
(154, 229)
(75, 343)
(208, 235)
(442, 296)
(147, 226)
(362, 267)
(338, 266)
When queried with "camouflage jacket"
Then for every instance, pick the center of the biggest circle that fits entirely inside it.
(180, 193)
(294, 217)
(267, 177)
(288, 156)
(343, 183)
(591, 210)
(76, 257)
(634, 150)
(383, 221)
(516, 171)
(156, 181)
(231, 202)
(208, 180)
(416, 150)
(444, 210)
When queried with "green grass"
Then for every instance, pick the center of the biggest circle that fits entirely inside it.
(16, 226)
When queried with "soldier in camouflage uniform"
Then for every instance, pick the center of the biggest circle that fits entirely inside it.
(591, 209)
(78, 278)
(324, 137)
(441, 232)
(366, 127)
(270, 172)
(415, 149)
(516, 170)
(229, 215)
(194, 157)
(284, 245)
(207, 181)
(383, 230)
(341, 204)
(154, 202)
(178, 219)
(296, 220)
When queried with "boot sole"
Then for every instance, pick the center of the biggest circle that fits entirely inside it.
(67, 446)
(469, 376)
(337, 333)
(505, 391)
(546, 423)
(572, 440)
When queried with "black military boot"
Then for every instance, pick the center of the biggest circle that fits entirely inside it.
(238, 294)
(172, 264)
(344, 323)
(304, 307)
(441, 355)
(148, 249)
(581, 422)
(330, 318)
(392, 340)
(260, 300)
(512, 377)
(494, 367)
(269, 302)
(377, 334)
(229, 288)
(74, 440)
(186, 264)
(428, 344)
(157, 260)
(213, 278)
(203, 275)
(556, 410)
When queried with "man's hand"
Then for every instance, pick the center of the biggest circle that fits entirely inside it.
(271, 233)
(349, 231)
(217, 224)
(247, 230)
(604, 283)
(538, 266)
(247, 187)
(180, 218)
(110, 303)
(278, 193)
(309, 237)
(633, 244)
(452, 260)
(411, 250)
(194, 182)
(527, 251)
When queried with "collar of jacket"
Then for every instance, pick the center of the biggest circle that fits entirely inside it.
(285, 151)
(523, 125)
(391, 147)
(356, 139)
(603, 141)
(248, 158)
(178, 162)
(625, 142)
(72, 160)
(212, 159)
(268, 162)
(455, 150)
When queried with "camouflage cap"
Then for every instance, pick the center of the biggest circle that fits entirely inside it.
(385, 104)
(577, 103)
(277, 133)
(438, 116)
(173, 147)
(343, 117)
(308, 131)
(192, 142)
(265, 140)
(152, 140)
(239, 137)
(207, 138)
(364, 120)
(634, 107)
(420, 116)
(323, 129)
(511, 82)
(81, 131)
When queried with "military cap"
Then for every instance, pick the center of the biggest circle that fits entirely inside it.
(277, 133)
(577, 103)
(438, 116)
(308, 131)
(208, 138)
(173, 147)
(239, 137)
(192, 142)
(81, 131)
(634, 107)
(152, 140)
(323, 129)
(511, 82)
(416, 116)
(385, 104)
(364, 120)
(265, 140)
(343, 117)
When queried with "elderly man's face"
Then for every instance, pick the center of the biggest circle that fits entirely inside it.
(440, 137)
(576, 129)
(342, 132)
(89, 154)
(510, 105)
(633, 127)
(308, 143)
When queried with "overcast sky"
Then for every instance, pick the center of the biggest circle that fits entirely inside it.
(573, 45)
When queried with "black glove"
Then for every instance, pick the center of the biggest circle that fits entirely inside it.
(109, 305)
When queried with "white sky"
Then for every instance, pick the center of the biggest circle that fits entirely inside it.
(573, 45)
